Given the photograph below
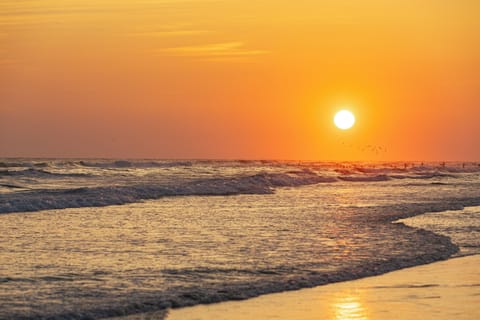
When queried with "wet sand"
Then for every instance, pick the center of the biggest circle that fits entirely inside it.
(442, 290)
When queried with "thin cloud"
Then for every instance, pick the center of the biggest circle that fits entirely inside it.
(33, 7)
(223, 49)
(33, 12)
(168, 33)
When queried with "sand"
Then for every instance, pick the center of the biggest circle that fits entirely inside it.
(443, 290)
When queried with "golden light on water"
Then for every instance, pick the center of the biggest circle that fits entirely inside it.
(349, 307)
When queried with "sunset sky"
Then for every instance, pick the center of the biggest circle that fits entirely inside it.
(240, 79)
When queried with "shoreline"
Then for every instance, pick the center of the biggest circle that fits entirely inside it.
(447, 289)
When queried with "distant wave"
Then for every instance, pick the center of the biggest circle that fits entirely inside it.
(12, 186)
(39, 173)
(341, 168)
(7, 164)
(415, 170)
(424, 175)
(95, 164)
(382, 177)
(387, 177)
(134, 164)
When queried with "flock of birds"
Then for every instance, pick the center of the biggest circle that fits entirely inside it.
(368, 148)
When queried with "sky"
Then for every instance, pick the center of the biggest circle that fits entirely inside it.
(236, 79)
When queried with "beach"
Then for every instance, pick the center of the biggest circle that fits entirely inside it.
(441, 290)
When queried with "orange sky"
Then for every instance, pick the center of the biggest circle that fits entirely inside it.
(240, 79)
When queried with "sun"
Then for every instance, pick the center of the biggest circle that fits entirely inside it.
(344, 119)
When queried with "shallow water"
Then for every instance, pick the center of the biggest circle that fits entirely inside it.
(461, 226)
(298, 231)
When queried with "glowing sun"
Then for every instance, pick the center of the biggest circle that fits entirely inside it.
(344, 119)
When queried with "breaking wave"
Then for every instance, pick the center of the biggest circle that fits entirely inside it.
(35, 173)
(382, 177)
(54, 184)
(262, 183)
(135, 164)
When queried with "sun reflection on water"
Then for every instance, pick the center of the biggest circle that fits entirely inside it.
(349, 307)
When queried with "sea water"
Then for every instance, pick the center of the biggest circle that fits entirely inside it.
(86, 239)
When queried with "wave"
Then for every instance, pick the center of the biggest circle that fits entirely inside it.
(36, 173)
(135, 164)
(7, 164)
(409, 170)
(341, 168)
(262, 183)
(11, 186)
(96, 164)
(348, 176)
(381, 177)
(424, 175)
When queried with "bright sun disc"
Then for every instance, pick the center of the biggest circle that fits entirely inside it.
(344, 119)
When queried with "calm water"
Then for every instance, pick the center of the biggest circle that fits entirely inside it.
(97, 238)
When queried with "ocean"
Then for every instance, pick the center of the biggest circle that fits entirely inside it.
(90, 238)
